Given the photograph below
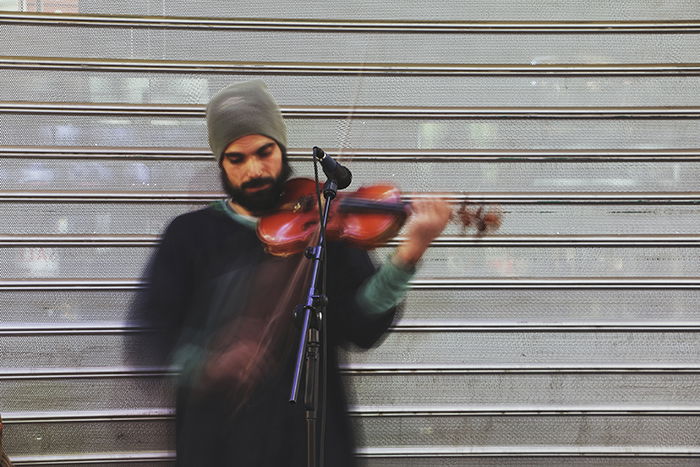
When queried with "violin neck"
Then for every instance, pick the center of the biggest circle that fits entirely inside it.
(359, 205)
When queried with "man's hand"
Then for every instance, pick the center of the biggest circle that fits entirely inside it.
(428, 220)
(233, 371)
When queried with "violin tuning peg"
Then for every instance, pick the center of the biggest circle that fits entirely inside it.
(465, 216)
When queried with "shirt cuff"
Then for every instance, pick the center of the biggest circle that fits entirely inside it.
(385, 289)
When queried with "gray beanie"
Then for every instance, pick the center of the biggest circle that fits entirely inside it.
(243, 109)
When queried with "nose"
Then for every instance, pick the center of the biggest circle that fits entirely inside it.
(255, 167)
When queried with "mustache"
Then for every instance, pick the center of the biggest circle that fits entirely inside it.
(258, 182)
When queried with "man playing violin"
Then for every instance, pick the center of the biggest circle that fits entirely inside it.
(225, 304)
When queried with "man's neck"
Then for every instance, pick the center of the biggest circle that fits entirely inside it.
(240, 209)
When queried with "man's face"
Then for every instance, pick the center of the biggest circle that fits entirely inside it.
(253, 172)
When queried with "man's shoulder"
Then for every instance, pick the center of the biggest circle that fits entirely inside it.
(194, 220)
(192, 217)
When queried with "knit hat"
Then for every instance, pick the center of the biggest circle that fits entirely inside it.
(243, 109)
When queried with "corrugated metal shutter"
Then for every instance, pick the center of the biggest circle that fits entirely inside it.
(568, 338)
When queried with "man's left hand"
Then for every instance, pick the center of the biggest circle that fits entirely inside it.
(428, 219)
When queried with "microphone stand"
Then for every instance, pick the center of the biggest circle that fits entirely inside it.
(310, 338)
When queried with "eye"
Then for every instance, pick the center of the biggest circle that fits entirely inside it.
(266, 151)
(234, 158)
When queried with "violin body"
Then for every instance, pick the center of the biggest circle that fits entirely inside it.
(367, 217)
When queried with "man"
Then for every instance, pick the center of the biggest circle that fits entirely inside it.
(226, 305)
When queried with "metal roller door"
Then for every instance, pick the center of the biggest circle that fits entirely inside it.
(568, 338)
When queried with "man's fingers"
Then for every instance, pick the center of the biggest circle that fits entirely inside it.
(431, 206)
(435, 210)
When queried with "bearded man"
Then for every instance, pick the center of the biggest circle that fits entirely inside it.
(226, 305)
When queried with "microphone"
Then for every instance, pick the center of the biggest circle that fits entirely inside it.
(333, 169)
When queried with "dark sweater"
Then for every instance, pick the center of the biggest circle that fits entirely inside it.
(211, 273)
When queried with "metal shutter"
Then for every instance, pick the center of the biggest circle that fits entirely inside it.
(568, 338)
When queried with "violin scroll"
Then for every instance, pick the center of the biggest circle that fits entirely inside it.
(484, 220)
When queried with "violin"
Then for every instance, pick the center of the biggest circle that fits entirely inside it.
(367, 218)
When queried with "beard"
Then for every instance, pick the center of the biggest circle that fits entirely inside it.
(262, 201)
